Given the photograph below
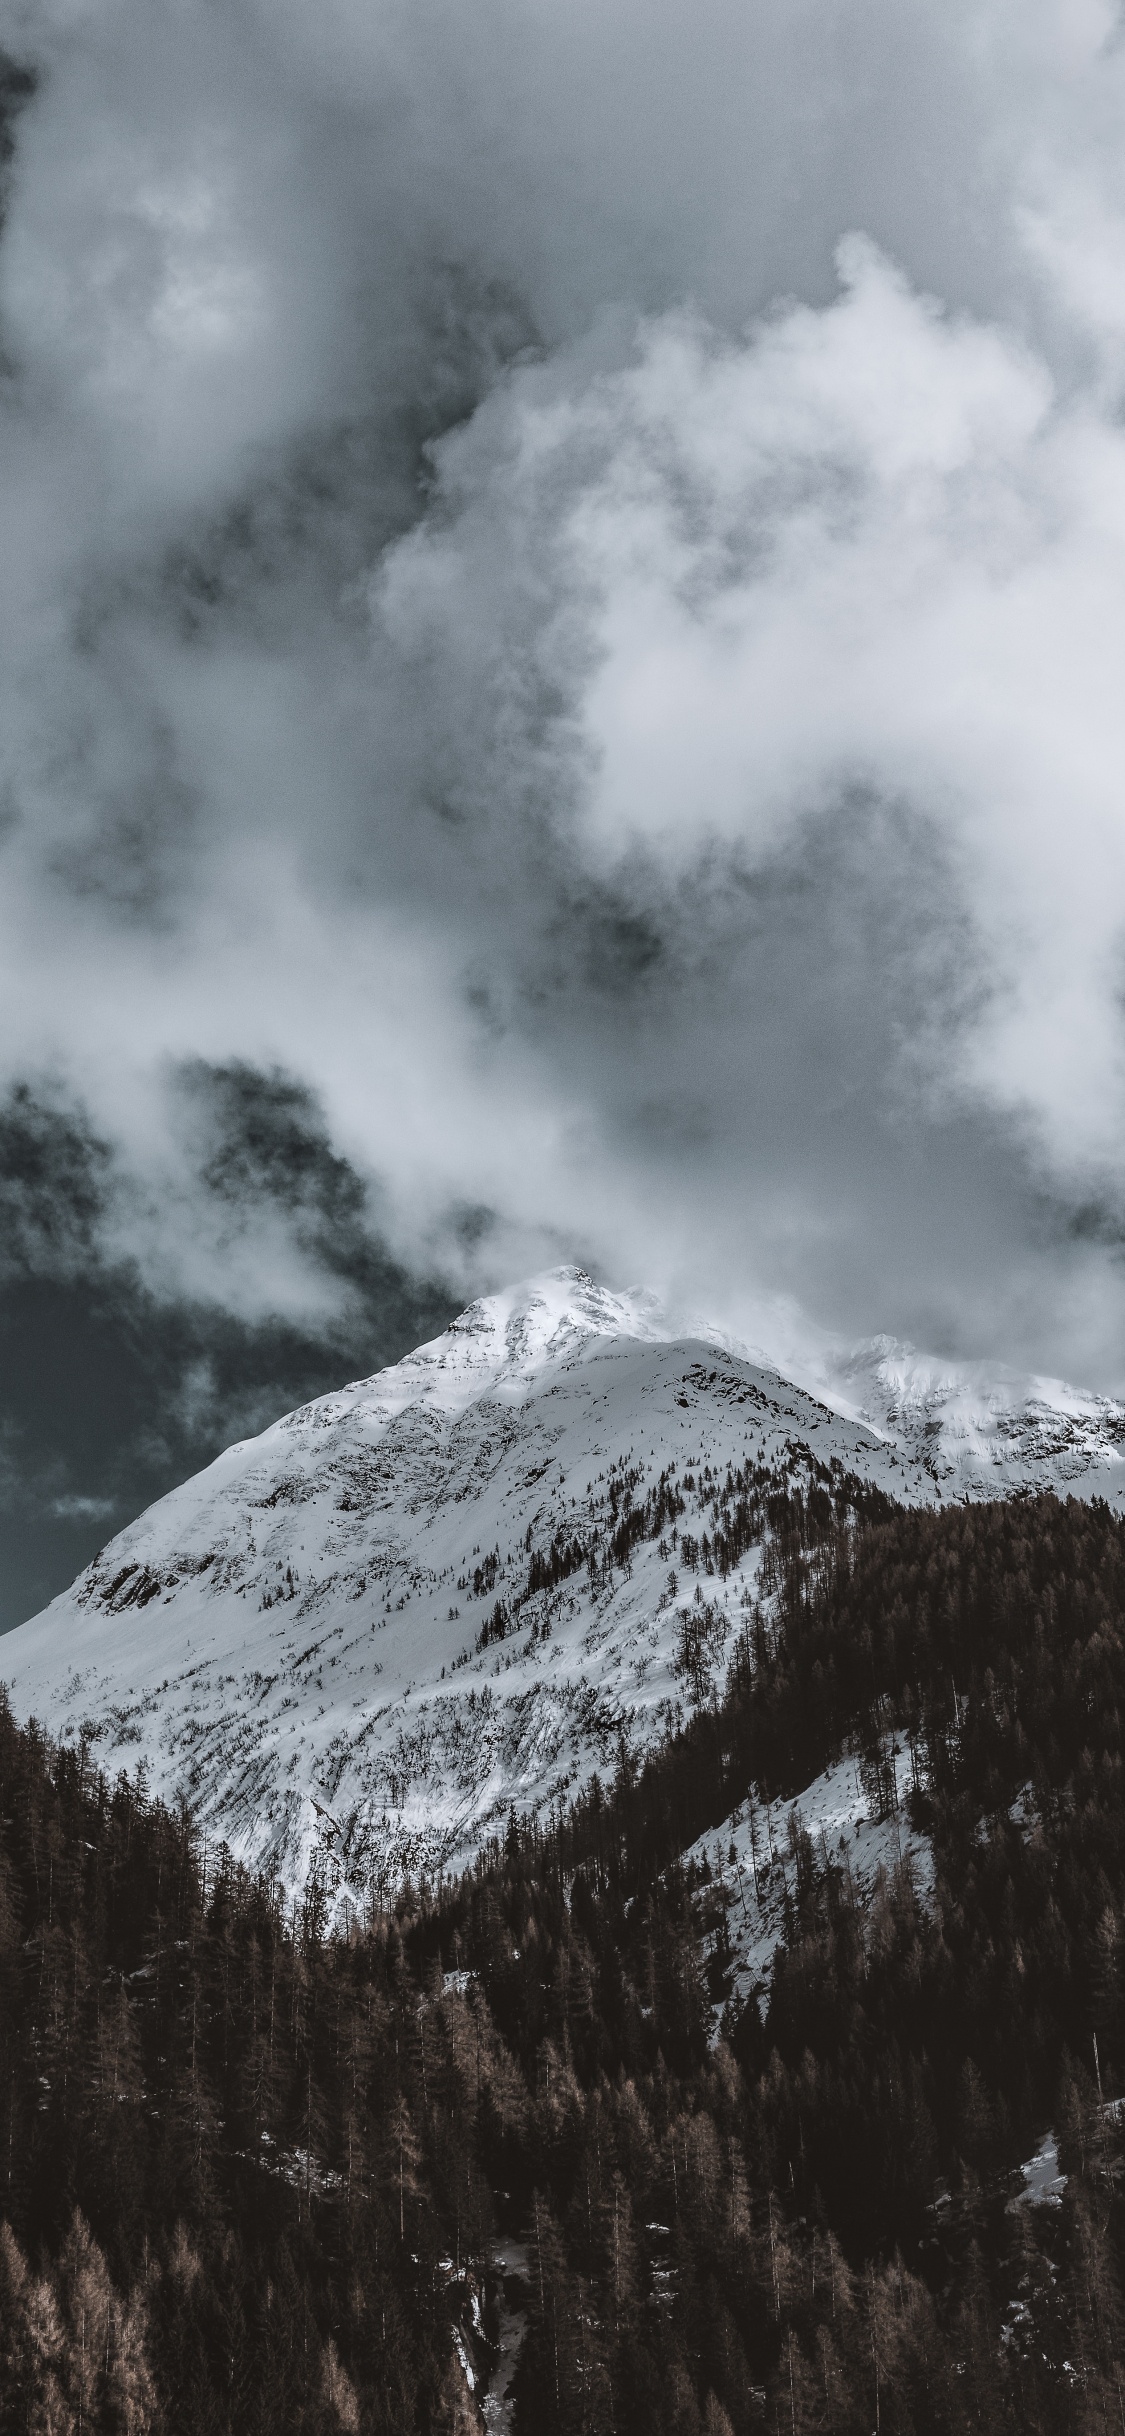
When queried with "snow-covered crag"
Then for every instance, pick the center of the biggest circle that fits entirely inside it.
(356, 1640)
(979, 1432)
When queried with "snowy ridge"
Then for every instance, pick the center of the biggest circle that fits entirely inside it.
(354, 1641)
(972, 1426)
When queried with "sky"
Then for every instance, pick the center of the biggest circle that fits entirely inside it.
(562, 605)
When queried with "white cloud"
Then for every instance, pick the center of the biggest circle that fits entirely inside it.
(687, 820)
(869, 548)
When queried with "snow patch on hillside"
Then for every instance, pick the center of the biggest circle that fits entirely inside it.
(752, 1857)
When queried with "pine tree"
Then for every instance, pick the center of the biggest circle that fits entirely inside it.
(90, 2315)
(340, 2397)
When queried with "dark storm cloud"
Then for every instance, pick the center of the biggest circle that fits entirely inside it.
(53, 1182)
(561, 581)
(17, 84)
(794, 1021)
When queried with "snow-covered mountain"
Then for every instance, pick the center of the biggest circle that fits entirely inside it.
(979, 1432)
(356, 1640)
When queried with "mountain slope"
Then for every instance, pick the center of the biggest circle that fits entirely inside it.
(354, 1641)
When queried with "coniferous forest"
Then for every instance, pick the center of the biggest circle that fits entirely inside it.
(514, 2153)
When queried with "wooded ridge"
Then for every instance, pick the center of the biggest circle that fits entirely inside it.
(255, 2176)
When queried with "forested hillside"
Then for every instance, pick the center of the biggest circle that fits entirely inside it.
(257, 2177)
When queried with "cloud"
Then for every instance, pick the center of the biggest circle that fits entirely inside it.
(560, 594)
(116, 1381)
(833, 607)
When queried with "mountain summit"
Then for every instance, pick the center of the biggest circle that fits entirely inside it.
(355, 1641)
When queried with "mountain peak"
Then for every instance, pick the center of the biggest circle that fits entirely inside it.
(354, 1641)
(501, 1341)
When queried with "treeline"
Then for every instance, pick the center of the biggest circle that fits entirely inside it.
(227, 2201)
(257, 2176)
(911, 2052)
(781, 1503)
(984, 1636)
